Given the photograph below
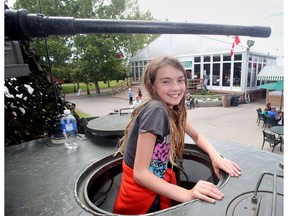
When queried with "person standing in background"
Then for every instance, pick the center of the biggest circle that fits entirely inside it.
(130, 96)
(139, 93)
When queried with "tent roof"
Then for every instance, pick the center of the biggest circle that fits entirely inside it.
(181, 45)
(271, 73)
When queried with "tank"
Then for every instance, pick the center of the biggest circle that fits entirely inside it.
(45, 180)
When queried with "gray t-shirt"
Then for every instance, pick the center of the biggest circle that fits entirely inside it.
(154, 119)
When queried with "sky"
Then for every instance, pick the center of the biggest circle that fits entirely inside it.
(245, 12)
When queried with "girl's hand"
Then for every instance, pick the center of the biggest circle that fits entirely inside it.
(226, 165)
(205, 191)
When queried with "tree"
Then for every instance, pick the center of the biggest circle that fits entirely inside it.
(64, 49)
(32, 104)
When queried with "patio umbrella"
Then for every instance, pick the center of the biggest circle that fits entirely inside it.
(278, 86)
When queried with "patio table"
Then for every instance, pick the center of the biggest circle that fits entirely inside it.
(278, 130)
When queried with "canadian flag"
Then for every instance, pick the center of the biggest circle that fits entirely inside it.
(236, 41)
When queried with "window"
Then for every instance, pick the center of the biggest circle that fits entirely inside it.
(207, 59)
(254, 74)
(249, 74)
(259, 69)
(237, 74)
(197, 59)
(237, 57)
(226, 58)
(206, 73)
(196, 71)
(226, 79)
(189, 74)
(216, 74)
(216, 58)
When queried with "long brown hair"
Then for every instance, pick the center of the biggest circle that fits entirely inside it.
(177, 115)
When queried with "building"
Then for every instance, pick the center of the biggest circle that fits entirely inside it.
(207, 58)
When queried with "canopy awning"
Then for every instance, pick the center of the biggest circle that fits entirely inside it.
(271, 73)
(279, 85)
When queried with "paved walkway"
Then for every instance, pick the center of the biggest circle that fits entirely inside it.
(234, 124)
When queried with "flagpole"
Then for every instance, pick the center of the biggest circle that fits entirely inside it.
(246, 75)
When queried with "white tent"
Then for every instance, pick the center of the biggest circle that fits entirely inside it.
(181, 45)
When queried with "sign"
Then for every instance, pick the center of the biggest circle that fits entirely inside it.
(186, 64)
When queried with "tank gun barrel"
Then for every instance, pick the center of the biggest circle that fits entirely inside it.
(22, 25)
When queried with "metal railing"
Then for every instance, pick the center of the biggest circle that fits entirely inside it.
(195, 85)
(122, 86)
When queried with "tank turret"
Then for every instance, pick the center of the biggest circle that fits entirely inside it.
(22, 25)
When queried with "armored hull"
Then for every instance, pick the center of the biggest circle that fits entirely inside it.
(45, 180)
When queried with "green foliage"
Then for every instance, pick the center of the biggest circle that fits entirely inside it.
(81, 114)
(89, 58)
(204, 93)
(80, 58)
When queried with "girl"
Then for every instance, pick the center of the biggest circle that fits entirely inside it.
(154, 137)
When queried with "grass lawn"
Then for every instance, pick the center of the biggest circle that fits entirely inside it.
(81, 114)
(69, 87)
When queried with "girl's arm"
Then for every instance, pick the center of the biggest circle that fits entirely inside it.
(218, 162)
(143, 176)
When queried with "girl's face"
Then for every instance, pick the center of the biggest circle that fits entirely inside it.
(170, 85)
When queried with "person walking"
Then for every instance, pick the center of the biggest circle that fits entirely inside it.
(154, 139)
(130, 97)
(189, 100)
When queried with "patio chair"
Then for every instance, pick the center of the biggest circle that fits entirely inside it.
(259, 116)
(272, 140)
(271, 121)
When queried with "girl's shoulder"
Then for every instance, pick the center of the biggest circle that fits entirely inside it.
(152, 106)
(155, 103)
(154, 111)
